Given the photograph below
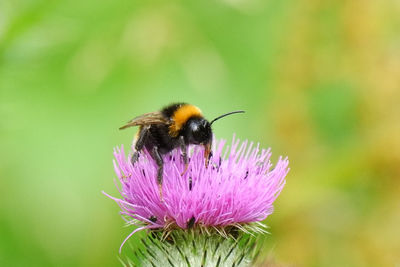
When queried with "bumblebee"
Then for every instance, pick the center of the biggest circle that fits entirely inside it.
(177, 125)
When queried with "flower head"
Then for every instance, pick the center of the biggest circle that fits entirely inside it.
(238, 187)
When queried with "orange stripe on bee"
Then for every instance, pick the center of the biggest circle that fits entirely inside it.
(181, 116)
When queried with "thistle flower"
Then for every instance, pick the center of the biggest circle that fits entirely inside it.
(237, 189)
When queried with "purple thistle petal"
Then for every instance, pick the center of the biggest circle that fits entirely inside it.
(238, 187)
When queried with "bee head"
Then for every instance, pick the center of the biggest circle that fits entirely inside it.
(198, 131)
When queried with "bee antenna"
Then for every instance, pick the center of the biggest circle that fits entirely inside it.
(226, 114)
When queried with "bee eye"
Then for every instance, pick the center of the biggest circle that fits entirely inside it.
(197, 134)
(198, 131)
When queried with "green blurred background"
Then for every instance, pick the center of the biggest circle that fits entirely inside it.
(320, 81)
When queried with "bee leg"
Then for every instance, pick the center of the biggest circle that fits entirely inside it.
(135, 157)
(184, 154)
(207, 153)
(160, 163)
(139, 144)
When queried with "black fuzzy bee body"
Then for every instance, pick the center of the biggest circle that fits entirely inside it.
(158, 136)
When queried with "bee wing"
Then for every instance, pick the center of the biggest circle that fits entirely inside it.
(146, 119)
